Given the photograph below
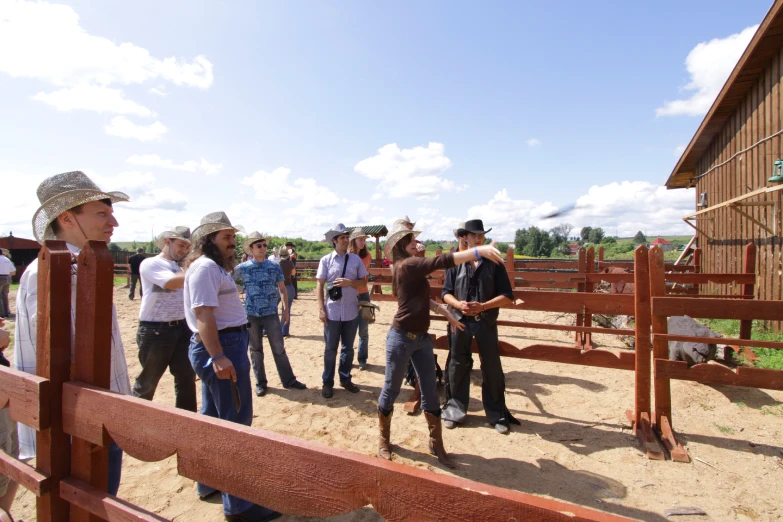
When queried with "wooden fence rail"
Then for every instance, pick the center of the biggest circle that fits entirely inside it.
(77, 420)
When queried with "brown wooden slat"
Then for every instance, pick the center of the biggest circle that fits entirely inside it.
(717, 309)
(705, 278)
(27, 397)
(718, 374)
(575, 302)
(723, 340)
(559, 327)
(102, 505)
(27, 476)
(296, 476)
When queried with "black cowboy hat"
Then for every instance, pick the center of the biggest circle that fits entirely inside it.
(475, 226)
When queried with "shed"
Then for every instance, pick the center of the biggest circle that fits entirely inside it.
(23, 252)
(661, 242)
(376, 231)
(730, 159)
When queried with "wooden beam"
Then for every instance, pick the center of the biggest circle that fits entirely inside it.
(719, 374)
(295, 476)
(559, 327)
(35, 482)
(752, 219)
(717, 309)
(723, 340)
(27, 397)
(102, 505)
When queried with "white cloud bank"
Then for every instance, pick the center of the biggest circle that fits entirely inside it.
(153, 160)
(45, 42)
(709, 64)
(124, 128)
(407, 173)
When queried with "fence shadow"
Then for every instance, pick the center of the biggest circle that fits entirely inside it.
(751, 397)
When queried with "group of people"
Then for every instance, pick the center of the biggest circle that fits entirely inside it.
(193, 321)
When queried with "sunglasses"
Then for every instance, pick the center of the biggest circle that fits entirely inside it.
(259, 245)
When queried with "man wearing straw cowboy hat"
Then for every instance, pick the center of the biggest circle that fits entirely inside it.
(475, 291)
(218, 348)
(340, 274)
(264, 283)
(73, 209)
(163, 335)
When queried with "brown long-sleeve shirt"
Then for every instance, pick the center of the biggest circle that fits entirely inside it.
(413, 291)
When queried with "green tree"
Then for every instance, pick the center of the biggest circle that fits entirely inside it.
(595, 235)
(115, 247)
(560, 233)
(639, 238)
(609, 240)
(533, 242)
(585, 233)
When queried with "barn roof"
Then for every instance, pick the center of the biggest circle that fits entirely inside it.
(766, 43)
(373, 230)
(15, 243)
(660, 241)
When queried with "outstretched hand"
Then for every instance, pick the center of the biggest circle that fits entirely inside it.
(491, 253)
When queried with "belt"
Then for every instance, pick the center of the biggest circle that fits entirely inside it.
(412, 335)
(154, 324)
(471, 318)
(232, 329)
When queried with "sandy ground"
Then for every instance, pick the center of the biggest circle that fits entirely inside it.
(574, 443)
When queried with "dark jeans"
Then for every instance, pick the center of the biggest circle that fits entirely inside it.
(493, 387)
(338, 333)
(115, 468)
(135, 278)
(216, 395)
(160, 347)
(400, 349)
(274, 333)
(291, 294)
(364, 334)
(295, 284)
(5, 286)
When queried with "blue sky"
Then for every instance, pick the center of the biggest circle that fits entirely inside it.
(293, 116)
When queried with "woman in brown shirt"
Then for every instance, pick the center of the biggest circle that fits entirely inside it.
(408, 339)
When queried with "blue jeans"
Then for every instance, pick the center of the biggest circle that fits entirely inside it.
(334, 333)
(274, 334)
(115, 468)
(291, 295)
(401, 348)
(364, 331)
(216, 396)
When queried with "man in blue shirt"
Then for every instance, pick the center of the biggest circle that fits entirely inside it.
(264, 284)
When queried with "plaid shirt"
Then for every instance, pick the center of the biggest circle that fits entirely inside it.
(25, 337)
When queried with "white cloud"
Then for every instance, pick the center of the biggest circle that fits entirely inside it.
(534, 142)
(160, 90)
(276, 186)
(409, 172)
(46, 42)
(93, 98)
(124, 128)
(709, 64)
(153, 160)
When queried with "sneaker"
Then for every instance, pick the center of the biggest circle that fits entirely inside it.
(351, 387)
(501, 428)
(296, 385)
(327, 391)
(450, 424)
(362, 365)
(260, 390)
(255, 513)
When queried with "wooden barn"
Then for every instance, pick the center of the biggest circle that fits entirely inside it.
(23, 252)
(735, 163)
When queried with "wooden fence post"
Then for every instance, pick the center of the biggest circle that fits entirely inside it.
(746, 325)
(587, 337)
(53, 361)
(92, 358)
(580, 287)
(510, 267)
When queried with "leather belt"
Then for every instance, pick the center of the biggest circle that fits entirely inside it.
(232, 329)
(154, 324)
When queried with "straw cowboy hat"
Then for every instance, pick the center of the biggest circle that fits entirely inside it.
(399, 231)
(284, 253)
(475, 226)
(459, 230)
(253, 237)
(403, 219)
(357, 233)
(338, 230)
(213, 222)
(182, 233)
(62, 192)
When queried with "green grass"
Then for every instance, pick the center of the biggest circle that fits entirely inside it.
(725, 429)
(768, 358)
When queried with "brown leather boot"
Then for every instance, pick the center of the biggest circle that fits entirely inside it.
(436, 440)
(414, 403)
(384, 427)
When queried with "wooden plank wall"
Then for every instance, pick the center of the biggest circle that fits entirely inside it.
(758, 116)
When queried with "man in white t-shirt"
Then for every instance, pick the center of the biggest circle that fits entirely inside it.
(163, 335)
(218, 348)
(7, 270)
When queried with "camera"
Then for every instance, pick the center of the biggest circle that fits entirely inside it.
(335, 292)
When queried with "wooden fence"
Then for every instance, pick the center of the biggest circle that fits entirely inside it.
(76, 418)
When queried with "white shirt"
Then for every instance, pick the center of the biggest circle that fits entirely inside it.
(158, 303)
(207, 284)
(273, 258)
(6, 266)
(25, 337)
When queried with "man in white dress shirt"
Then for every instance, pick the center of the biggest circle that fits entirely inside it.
(73, 209)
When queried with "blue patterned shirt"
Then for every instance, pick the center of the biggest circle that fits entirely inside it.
(260, 280)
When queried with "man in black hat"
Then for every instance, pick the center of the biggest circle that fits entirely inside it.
(475, 290)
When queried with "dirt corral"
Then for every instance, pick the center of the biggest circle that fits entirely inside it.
(574, 443)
